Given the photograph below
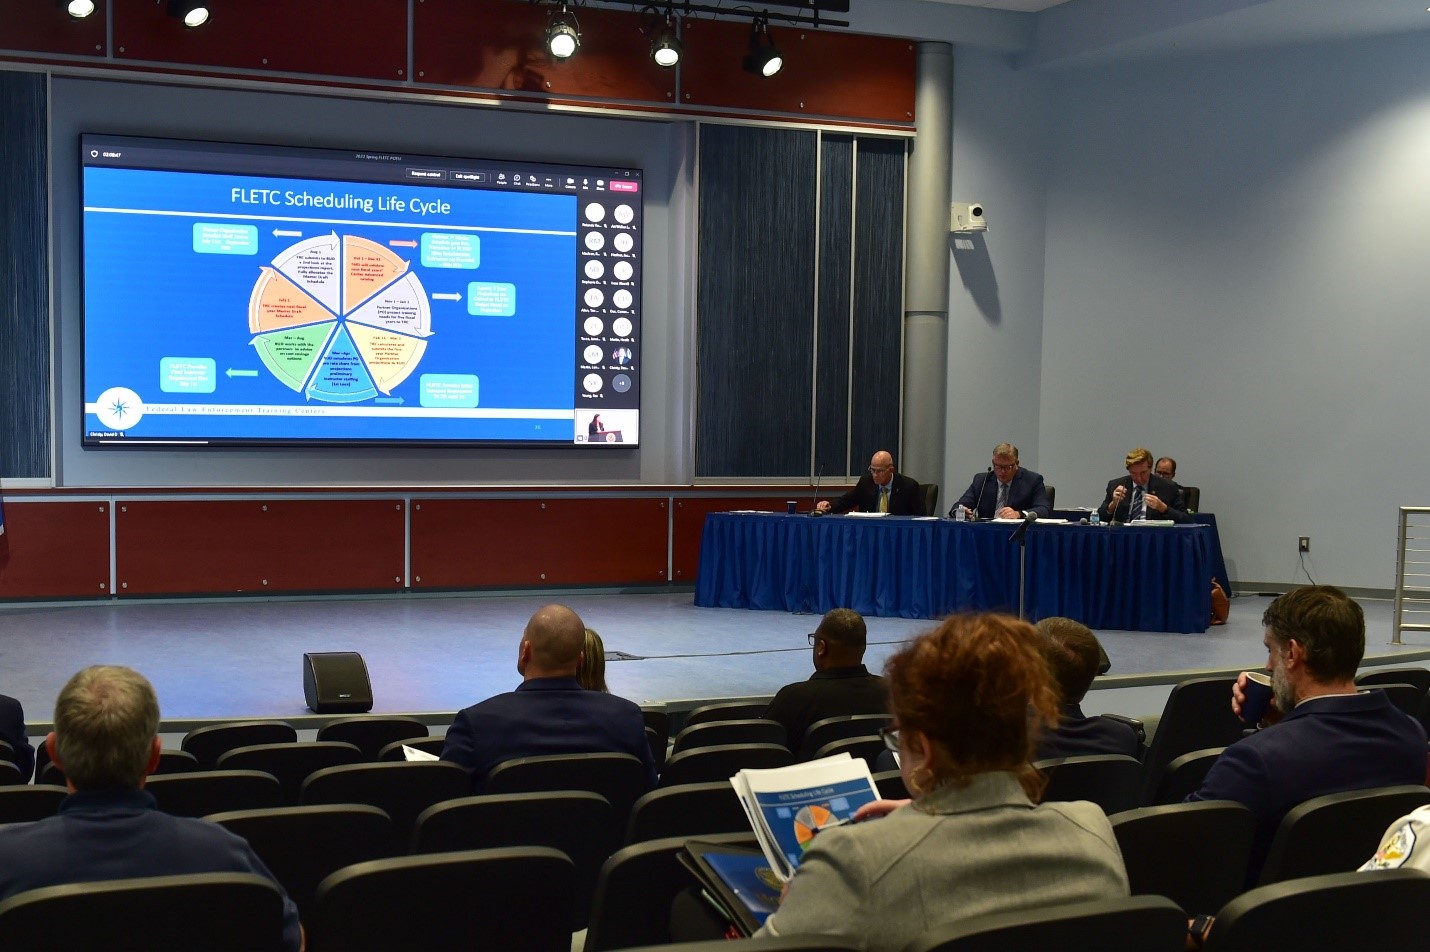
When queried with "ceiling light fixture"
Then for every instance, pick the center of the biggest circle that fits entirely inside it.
(665, 49)
(77, 9)
(563, 35)
(763, 59)
(193, 13)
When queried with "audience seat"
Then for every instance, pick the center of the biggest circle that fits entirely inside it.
(620, 778)
(176, 761)
(10, 775)
(7, 753)
(765, 943)
(302, 845)
(658, 720)
(402, 790)
(706, 764)
(215, 791)
(1382, 910)
(291, 763)
(1406, 697)
(725, 711)
(1420, 677)
(1193, 853)
(891, 784)
(242, 912)
(209, 743)
(1184, 775)
(1052, 496)
(636, 888)
(1141, 923)
(692, 809)
(370, 733)
(837, 728)
(1197, 715)
(1336, 832)
(1112, 781)
(25, 803)
(743, 731)
(393, 751)
(473, 899)
(575, 822)
(866, 748)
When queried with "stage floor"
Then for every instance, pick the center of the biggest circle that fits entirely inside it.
(431, 655)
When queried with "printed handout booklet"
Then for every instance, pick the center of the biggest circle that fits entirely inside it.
(789, 806)
(736, 880)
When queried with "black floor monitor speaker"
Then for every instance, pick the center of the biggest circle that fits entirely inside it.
(336, 682)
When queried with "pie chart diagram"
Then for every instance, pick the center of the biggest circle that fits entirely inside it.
(808, 821)
(339, 318)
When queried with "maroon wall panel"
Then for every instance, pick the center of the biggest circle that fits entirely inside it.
(42, 27)
(826, 73)
(689, 523)
(366, 39)
(258, 546)
(480, 543)
(501, 44)
(54, 550)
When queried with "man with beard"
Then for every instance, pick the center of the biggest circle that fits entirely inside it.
(1322, 737)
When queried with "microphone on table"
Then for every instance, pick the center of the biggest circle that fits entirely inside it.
(979, 501)
(814, 501)
(1028, 519)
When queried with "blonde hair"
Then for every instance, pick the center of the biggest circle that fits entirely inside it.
(1139, 455)
(592, 670)
(106, 719)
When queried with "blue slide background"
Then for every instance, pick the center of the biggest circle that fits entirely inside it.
(148, 296)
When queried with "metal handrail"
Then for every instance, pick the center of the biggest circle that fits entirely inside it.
(1399, 624)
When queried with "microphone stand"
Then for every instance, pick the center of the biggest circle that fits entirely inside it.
(1020, 536)
(977, 503)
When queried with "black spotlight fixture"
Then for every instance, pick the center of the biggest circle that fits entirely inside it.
(665, 49)
(763, 59)
(193, 13)
(77, 9)
(563, 35)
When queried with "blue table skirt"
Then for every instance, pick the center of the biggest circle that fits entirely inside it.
(1128, 577)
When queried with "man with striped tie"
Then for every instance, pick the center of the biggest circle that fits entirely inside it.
(1142, 494)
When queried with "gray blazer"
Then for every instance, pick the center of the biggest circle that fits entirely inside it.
(952, 854)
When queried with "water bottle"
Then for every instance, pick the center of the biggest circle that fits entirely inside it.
(959, 515)
(1094, 519)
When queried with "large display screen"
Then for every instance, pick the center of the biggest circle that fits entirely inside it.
(247, 294)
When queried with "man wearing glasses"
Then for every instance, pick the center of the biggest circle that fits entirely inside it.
(882, 490)
(840, 684)
(1005, 491)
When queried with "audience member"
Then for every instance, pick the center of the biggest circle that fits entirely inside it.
(1074, 655)
(1141, 494)
(1401, 844)
(13, 732)
(549, 712)
(1006, 491)
(1166, 468)
(592, 673)
(882, 489)
(105, 740)
(840, 683)
(967, 700)
(1324, 736)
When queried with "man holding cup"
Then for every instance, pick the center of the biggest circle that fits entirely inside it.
(1321, 736)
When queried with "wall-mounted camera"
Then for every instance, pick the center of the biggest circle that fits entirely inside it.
(966, 217)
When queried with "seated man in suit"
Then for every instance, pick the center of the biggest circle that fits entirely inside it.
(1141, 494)
(1006, 490)
(1074, 656)
(106, 742)
(882, 490)
(549, 712)
(12, 731)
(1323, 737)
(840, 683)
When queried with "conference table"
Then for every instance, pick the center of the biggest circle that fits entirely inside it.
(1138, 578)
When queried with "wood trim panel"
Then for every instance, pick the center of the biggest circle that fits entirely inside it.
(54, 550)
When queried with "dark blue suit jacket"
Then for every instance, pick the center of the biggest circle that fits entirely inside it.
(1325, 745)
(1079, 736)
(545, 716)
(1026, 493)
(1164, 489)
(12, 730)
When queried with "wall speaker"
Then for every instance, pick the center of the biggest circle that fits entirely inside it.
(336, 682)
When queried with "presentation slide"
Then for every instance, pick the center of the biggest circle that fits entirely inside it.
(278, 295)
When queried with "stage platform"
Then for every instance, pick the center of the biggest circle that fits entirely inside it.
(429, 655)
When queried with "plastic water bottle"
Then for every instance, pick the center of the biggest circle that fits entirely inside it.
(959, 515)
(1094, 519)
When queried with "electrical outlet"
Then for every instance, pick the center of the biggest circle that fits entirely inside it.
(1303, 544)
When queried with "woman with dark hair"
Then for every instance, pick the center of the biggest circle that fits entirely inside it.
(969, 700)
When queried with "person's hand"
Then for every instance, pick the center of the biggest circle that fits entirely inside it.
(1154, 503)
(822, 505)
(1118, 494)
(1008, 512)
(878, 808)
(1238, 698)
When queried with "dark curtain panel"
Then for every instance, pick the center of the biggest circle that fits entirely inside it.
(24, 267)
(754, 340)
(831, 384)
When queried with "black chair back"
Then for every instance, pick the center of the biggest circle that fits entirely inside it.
(291, 763)
(1184, 775)
(1197, 716)
(242, 912)
(891, 784)
(1191, 498)
(25, 803)
(725, 711)
(176, 761)
(1336, 832)
(743, 731)
(636, 888)
(472, 899)
(707, 764)
(1144, 923)
(10, 775)
(658, 720)
(1406, 697)
(692, 809)
(620, 778)
(215, 791)
(401, 790)
(1420, 677)
(1382, 910)
(393, 751)
(370, 733)
(866, 748)
(1211, 843)
(928, 497)
(1052, 496)
(829, 729)
(576, 822)
(302, 845)
(1112, 781)
(209, 743)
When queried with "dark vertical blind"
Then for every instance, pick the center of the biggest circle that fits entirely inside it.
(24, 269)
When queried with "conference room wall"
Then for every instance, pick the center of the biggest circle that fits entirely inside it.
(662, 149)
(1236, 276)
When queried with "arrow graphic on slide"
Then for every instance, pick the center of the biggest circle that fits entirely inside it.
(404, 242)
(280, 233)
(241, 373)
(446, 297)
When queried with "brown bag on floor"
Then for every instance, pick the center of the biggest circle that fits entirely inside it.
(1221, 605)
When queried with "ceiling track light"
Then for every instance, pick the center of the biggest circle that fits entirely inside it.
(665, 49)
(76, 9)
(563, 34)
(193, 13)
(764, 58)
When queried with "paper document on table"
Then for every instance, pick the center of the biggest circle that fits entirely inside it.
(867, 515)
(926, 518)
(750, 512)
(1053, 522)
(1151, 522)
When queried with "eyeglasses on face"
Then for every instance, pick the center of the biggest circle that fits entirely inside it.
(876, 470)
(890, 737)
(813, 639)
